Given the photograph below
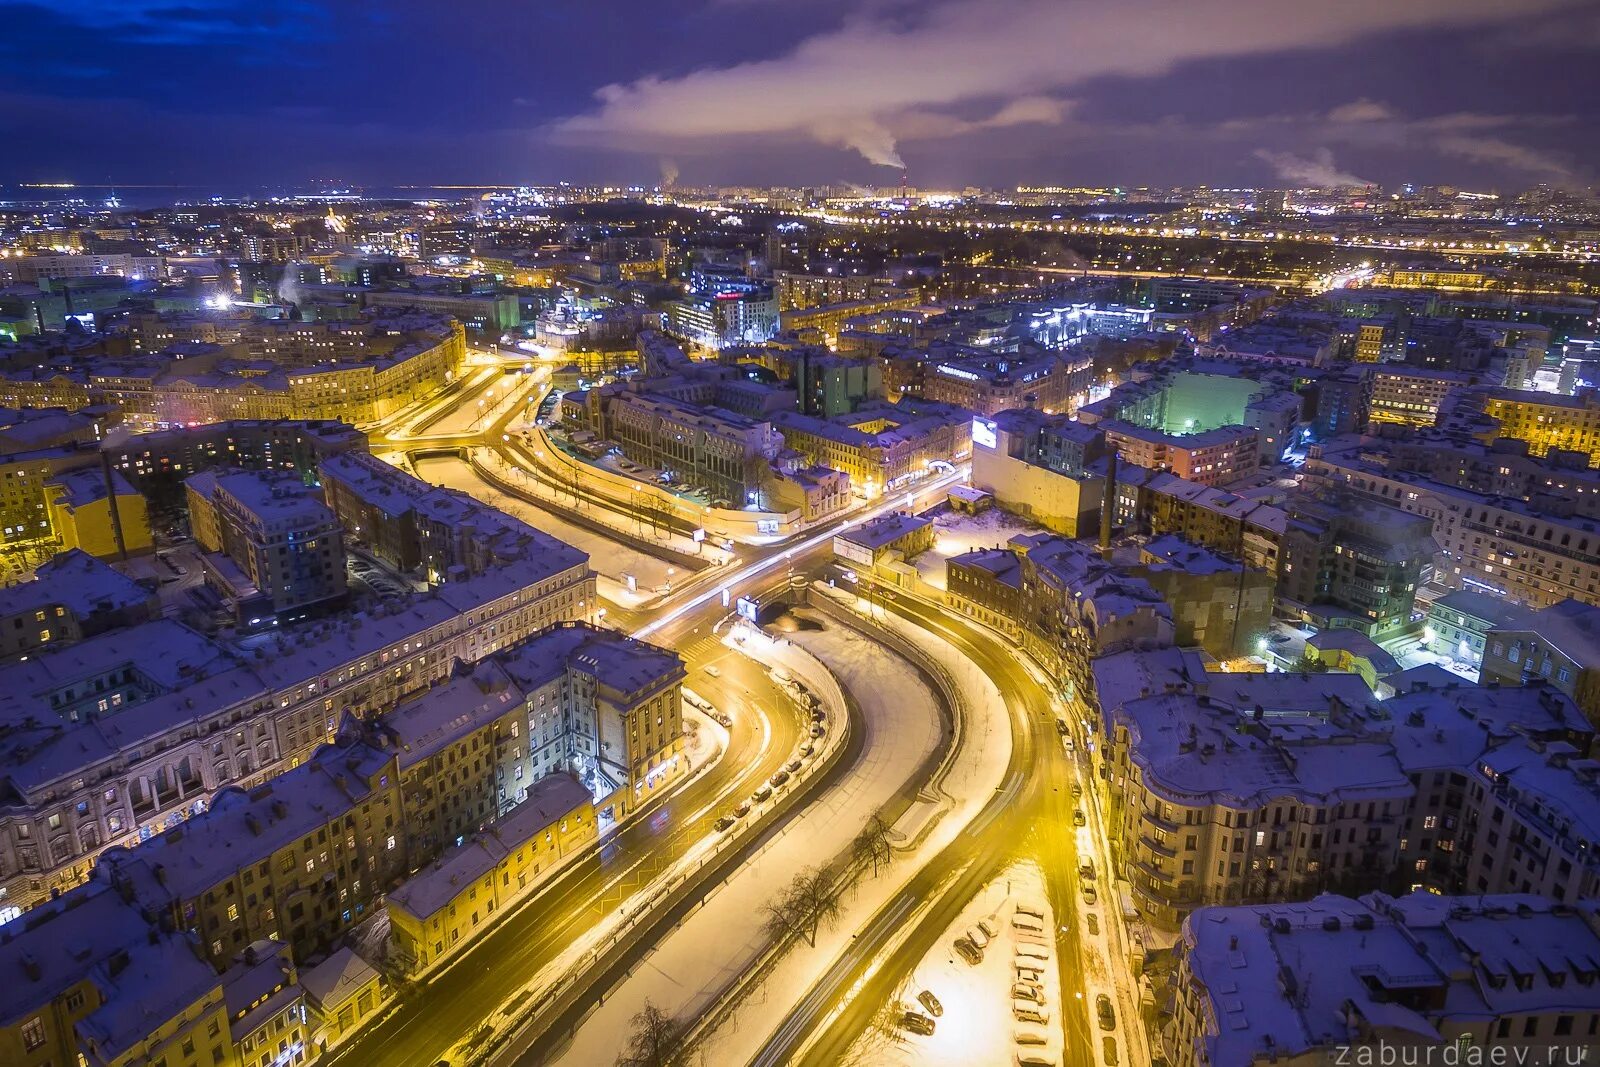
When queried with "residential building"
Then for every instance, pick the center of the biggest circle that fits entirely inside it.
(1417, 978)
(442, 910)
(1208, 457)
(824, 321)
(98, 512)
(882, 447)
(273, 548)
(1559, 644)
(1217, 603)
(1459, 625)
(1354, 563)
(70, 597)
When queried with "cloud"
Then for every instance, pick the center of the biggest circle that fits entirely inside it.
(1362, 110)
(1495, 150)
(1316, 171)
(875, 81)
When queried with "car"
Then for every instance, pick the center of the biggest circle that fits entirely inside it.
(1035, 975)
(1094, 923)
(1027, 923)
(761, 794)
(917, 1023)
(817, 715)
(1077, 790)
(988, 927)
(1027, 991)
(1031, 910)
(1069, 744)
(1035, 1059)
(968, 951)
(1108, 1053)
(979, 938)
(1104, 1012)
(724, 822)
(1029, 951)
(713, 671)
(1030, 1037)
(1086, 870)
(1090, 896)
(1078, 817)
(1029, 1013)
(741, 809)
(1061, 727)
(807, 748)
(779, 778)
(931, 1002)
(817, 730)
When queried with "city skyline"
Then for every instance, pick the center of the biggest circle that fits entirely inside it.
(751, 92)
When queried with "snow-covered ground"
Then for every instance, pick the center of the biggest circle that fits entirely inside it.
(978, 1025)
(612, 560)
(971, 778)
(681, 976)
(956, 533)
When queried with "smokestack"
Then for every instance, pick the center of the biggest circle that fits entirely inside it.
(1108, 505)
(111, 503)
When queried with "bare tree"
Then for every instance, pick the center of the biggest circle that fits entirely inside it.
(804, 905)
(872, 844)
(819, 902)
(654, 1039)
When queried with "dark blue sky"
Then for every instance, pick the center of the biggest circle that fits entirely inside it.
(1500, 93)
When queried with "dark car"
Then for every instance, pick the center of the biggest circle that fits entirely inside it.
(817, 731)
(724, 822)
(779, 778)
(1061, 727)
(1078, 818)
(931, 1002)
(794, 765)
(1102, 1010)
(917, 1023)
(968, 951)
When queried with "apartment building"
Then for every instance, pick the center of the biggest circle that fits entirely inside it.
(1352, 563)
(440, 911)
(273, 548)
(443, 535)
(1418, 978)
(298, 859)
(710, 448)
(1559, 644)
(1533, 554)
(1210, 457)
(1547, 420)
(881, 447)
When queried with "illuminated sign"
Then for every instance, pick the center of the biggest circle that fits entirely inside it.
(957, 372)
(983, 434)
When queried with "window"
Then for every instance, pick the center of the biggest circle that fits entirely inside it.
(33, 1034)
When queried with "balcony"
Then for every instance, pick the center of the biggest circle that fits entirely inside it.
(1157, 822)
(1157, 848)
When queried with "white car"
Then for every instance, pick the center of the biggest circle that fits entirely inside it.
(713, 672)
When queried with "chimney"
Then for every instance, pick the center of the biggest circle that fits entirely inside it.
(1108, 505)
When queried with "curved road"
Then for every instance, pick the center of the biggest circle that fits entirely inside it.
(1029, 816)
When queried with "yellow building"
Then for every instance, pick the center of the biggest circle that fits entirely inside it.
(828, 319)
(441, 911)
(343, 993)
(1547, 420)
(107, 525)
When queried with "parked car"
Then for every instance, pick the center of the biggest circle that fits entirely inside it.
(1061, 727)
(779, 778)
(931, 1002)
(1027, 991)
(978, 937)
(1108, 1046)
(1094, 923)
(1030, 1013)
(1035, 1059)
(724, 822)
(761, 794)
(1031, 910)
(1103, 1011)
(817, 730)
(1030, 1037)
(968, 951)
(1030, 951)
(1027, 923)
(1078, 818)
(1077, 790)
(741, 809)
(794, 765)
(917, 1023)
(988, 927)
(1089, 894)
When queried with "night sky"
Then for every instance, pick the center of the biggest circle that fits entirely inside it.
(1485, 93)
